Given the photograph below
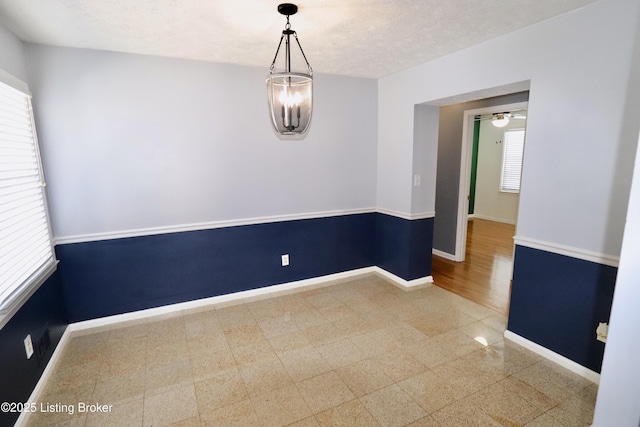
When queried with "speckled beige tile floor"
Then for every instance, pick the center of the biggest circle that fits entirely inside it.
(357, 353)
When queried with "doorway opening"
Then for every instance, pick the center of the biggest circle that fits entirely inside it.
(481, 266)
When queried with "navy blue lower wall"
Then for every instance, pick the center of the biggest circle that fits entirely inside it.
(557, 302)
(45, 310)
(103, 278)
(404, 247)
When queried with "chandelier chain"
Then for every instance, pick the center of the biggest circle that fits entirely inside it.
(303, 55)
(287, 27)
(273, 64)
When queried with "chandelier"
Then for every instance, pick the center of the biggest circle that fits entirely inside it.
(289, 93)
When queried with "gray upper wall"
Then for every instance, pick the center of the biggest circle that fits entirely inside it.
(132, 142)
(576, 179)
(578, 65)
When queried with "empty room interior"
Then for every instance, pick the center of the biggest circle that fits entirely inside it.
(418, 213)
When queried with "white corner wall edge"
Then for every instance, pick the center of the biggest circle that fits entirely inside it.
(553, 356)
(569, 251)
(103, 323)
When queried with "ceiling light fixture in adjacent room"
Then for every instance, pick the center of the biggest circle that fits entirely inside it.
(290, 94)
(500, 120)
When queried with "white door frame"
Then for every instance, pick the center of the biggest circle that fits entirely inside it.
(465, 170)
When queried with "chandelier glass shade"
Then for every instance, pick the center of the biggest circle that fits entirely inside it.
(289, 93)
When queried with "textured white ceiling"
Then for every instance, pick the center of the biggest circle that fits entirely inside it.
(368, 38)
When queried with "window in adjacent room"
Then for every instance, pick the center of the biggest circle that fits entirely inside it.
(26, 251)
(512, 160)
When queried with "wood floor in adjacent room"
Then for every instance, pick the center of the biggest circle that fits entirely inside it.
(485, 275)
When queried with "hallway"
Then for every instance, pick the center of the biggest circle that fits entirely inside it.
(485, 275)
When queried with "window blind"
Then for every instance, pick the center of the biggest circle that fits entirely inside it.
(512, 160)
(26, 249)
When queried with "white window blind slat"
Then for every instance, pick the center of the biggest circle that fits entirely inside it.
(19, 255)
(25, 257)
(18, 167)
(9, 104)
(24, 141)
(13, 251)
(22, 215)
(7, 157)
(512, 160)
(18, 156)
(17, 200)
(14, 127)
(7, 98)
(6, 187)
(6, 175)
(11, 190)
(11, 117)
(15, 257)
(33, 262)
(7, 114)
(15, 227)
(16, 150)
(26, 250)
(13, 132)
(11, 110)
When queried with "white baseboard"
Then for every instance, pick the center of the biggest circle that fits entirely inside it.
(408, 285)
(37, 391)
(554, 357)
(220, 299)
(444, 255)
(266, 291)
